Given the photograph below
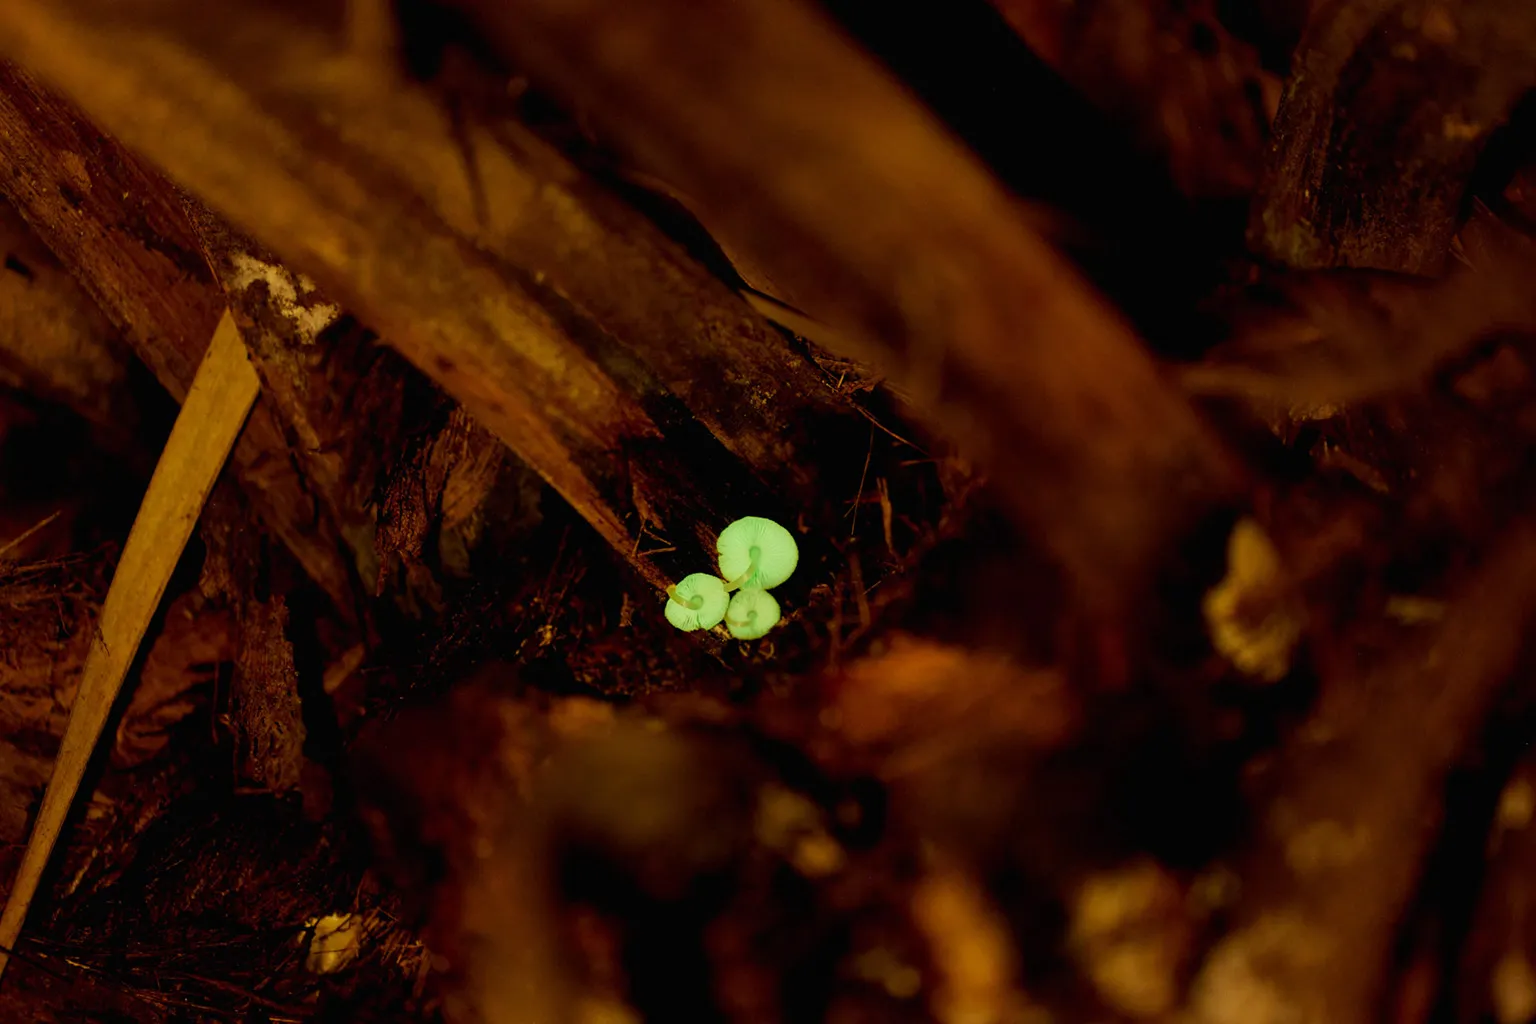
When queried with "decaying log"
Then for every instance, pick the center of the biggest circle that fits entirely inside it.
(54, 342)
(1356, 799)
(119, 229)
(1381, 126)
(560, 319)
(265, 716)
(807, 157)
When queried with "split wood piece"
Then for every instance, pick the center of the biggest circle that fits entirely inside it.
(1381, 126)
(119, 229)
(369, 200)
(222, 393)
(1358, 793)
(804, 154)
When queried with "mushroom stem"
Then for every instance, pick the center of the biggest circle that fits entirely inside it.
(695, 602)
(740, 581)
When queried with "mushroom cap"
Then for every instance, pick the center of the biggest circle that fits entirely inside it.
(777, 552)
(710, 590)
(753, 612)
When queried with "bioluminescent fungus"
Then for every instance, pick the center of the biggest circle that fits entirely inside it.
(699, 601)
(756, 553)
(752, 613)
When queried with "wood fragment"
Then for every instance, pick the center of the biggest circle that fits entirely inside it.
(54, 342)
(322, 373)
(222, 393)
(265, 711)
(263, 714)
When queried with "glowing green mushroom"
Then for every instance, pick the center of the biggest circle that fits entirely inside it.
(756, 552)
(698, 602)
(753, 612)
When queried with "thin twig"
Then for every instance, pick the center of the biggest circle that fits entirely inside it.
(863, 475)
(16, 542)
(871, 417)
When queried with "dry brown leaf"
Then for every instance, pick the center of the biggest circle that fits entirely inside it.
(194, 641)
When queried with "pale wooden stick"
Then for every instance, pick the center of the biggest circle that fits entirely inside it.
(220, 398)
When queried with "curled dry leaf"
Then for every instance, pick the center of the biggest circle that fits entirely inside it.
(1253, 618)
(195, 640)
(1131, 936)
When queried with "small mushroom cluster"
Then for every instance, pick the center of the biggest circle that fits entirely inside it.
(756, 555)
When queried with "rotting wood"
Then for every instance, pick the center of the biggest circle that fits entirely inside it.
(222, 393)
(906, 243)
(118, 229)
(54, 342)
(1381, 127)
(264, 715)
(560, 318)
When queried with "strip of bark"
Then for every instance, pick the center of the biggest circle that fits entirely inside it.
(54, 342)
